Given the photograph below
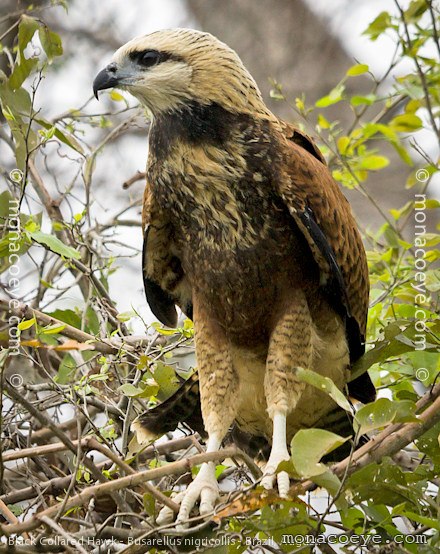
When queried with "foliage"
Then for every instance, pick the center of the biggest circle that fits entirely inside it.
(85, 355)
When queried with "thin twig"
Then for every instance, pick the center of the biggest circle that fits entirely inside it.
(127, 482)
(45, 421)
(106, 346)
(138, 176)
(68, 538)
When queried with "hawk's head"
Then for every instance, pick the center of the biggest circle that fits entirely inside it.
(167, 69)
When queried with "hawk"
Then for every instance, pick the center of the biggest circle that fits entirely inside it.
(245, 231)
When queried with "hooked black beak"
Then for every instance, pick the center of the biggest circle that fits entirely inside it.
(105, 79)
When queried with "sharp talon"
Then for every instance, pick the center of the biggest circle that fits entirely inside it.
(204, 487)
(166, 514)
(283, 482)
(268, 478)
(208, 499)
(271, 478)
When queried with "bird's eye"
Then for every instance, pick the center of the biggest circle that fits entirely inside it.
(149, 58)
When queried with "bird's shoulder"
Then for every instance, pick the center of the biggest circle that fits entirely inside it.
(324, 216)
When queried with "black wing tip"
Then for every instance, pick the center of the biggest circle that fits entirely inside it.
(362, 389)
(336, 293)
(161, 303)
(189, 312)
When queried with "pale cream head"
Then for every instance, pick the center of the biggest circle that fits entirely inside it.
(170, 68)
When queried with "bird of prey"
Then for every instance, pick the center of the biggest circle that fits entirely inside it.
(246, 231)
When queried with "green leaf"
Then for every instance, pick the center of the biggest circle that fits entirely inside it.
(23, 66)
(323, 122)
(329, 481)
(219, 469)
(405, 210)
(403, 152)
(26, 30)
(391, 345)
(406, 123)
(429, 443)
(343, 144)
(114, 95)
(276, 94)
(324, 384)
(381, 412)
(380, 484)
(4, 355)
(415, 10)
(421, 175)
(354, 519)
(413, 105)
(432, 204)
(299, 103)
(51, 43)
(26, 324)
(166, 332)
(374, 162)
(128, 389)
(66, 371)
(308, 446)
(125, 316)
(149, 503)
(67, 316)
(188, 325)
(62, 136)
(165, 377)
(53, 329)
(333, 97)
(430, 522)
(366, 100)
(357, 69)
(17, 108)
(16, 509)
(5, 244)
(55, 245)
(378, 26)
(21, 72)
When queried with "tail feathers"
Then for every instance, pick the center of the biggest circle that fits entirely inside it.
(256, 447)
(362, 389)
(337, 421)
(340, 422)
(181, 407)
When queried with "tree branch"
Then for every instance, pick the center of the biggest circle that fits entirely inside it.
(106, 346)
(127, 482)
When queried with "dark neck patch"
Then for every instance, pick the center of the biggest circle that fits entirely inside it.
(195, 124)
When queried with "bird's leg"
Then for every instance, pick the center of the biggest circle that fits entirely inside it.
(290, 347)
(218, 393)
(278, 454)
(204, 486)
